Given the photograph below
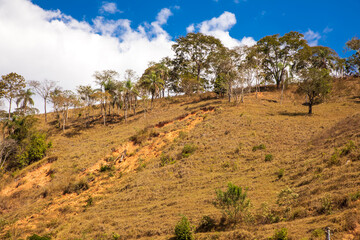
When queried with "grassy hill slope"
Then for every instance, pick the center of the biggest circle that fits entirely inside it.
(83, 191)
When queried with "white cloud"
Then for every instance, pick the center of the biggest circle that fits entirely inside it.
(219, 27)
(109, 7)
(163, 16)
(41, 44)
(190, 28)
(327, 30)
(312, 37)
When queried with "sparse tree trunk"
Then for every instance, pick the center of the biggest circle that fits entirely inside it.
(45, 109)
(282, 92)
(105, 115)
(229, 92)
(242, 95)
(310, 105)
(10, 100)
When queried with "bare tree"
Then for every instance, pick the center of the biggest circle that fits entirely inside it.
(7, 148)
(44, 89)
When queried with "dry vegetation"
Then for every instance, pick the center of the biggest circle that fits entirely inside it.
(89, 187)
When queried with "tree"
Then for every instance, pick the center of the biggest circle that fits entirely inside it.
(233, 202)
(8, 147)
(62, 100)
(24, 99)
(105, 80)
(316, 85)
(225, 63)
(183, 229)
(44, 89)
(323, 57)
(192, 55)
(353, 62)
(87, 98)
(279, 53)
(151, 80)
(13, 83)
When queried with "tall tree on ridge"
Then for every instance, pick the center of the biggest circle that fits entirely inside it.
(12, 83)
(192, 55)
(44, 89)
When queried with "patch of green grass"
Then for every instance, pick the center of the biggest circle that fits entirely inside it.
(259, 147)
(188, 150)
(268, 157)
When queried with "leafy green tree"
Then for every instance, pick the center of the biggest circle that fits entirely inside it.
(323, 57)
(183, 230)
(316, 84)
(353, 62)
(225, 63)
(280, 53)
(233, 203)
(192, 55)
(13, 83)
(24, 99)
(152, 81)
(43, 89)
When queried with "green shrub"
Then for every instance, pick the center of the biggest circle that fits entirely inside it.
(89, 201)
(348, 148)
(334, 159)
(206, 225)
(280, 173)
(188, 150)
(104, 168)
(268, 157)
(35, 150)
(355, 196)
(260, 147)
(166, 159)
(233, 203)
(37, 237)
(318, 233)
(280, 234)
(326, 205)
(183, 135)
(267, 215)
(183, 230)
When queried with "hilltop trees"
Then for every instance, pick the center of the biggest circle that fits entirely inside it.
(44, 89)
(25, 100)
(192, 57)
(12, 84)
(279, 53)
(353, 62)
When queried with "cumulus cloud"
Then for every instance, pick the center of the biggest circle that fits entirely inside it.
(219, 27)
(190, 28)
(312, 37)
(109, 7)
(41, 44)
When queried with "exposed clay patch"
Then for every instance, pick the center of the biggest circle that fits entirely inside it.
(36, 178)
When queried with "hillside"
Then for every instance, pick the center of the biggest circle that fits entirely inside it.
(134, 180)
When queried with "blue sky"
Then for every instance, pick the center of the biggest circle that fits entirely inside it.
(68, 40)
(334, 21)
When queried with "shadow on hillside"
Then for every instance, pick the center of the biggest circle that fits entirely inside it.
(204, 105)
(202, 99)
(293, 114)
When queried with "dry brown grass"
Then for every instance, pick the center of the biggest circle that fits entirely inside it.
(140, 199)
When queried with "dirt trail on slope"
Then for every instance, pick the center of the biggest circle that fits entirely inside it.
(99, 185)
